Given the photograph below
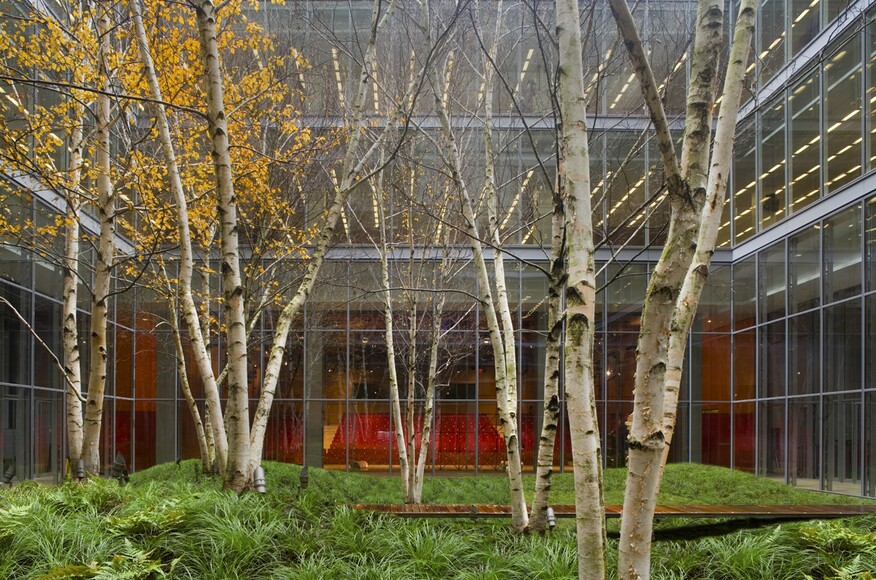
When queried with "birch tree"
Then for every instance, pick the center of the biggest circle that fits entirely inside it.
(580, 295)
(494, 302)
(77, 64)
(696, 186)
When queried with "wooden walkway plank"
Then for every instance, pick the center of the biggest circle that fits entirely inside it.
(614, 511)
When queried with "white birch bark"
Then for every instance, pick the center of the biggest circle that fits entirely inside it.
(553, 348)
(647, 446)
(580, 299)
(105, 210)
(238, 473)
(389, 334)
(70, 337)
(186, 268)
(716, 189)
(506, 405)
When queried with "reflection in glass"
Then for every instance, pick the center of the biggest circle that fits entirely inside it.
(743, 436)
(842, 255)
(842, 346)
(805, 143)
(804, 270)
(771, 439)
(771, 282)
(771, 360)
(843, 74)
(842, 451)
(804, 449)
(743, 364)
(744, 294)
(772, 162)
(744, 181)
(804, 354)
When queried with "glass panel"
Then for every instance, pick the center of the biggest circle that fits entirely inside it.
(771, 360)
(616, 434)
(842, 346)
(15, 432)
(744, 294)
(744, 181)
(870, 95)
(627, 186)
(870, 342)
(805, 21)
(842, 443)
(870, 240)
(804, 270)
(805, 138)
(15, 339)
(869, 447)
(772, 162)
(804, 449)
(47, 316)
(843, 114)
(712, 421)
(771, 439)
(710, 359)
(771, 26)
(743, 364)
(284, 439)
(804, 354)
(772, 282)
(626, 292)
(743, 436)
(842, 255)
(713, 314)
(620, 365)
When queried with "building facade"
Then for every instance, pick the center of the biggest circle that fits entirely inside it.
(781, 368)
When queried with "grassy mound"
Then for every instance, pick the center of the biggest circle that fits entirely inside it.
(173, 521)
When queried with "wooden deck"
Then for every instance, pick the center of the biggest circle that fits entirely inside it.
(614, 511)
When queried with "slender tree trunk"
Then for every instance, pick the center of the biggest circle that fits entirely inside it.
(410, 411)
(389, 330)
(719, 170)
(238, 473)
(429, 403)
(647, 438)
(105, 249)
(72, 360)
(580, 299)
(187, 302)
(553, 347)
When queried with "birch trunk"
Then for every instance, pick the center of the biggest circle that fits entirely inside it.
(238, 472)
(105, 210)
(429, 403)
(553, 346)
(580, 299)
(389, 329)
(350, 169)
(72, 360)
(505, 385)
(647, 445)
(410, 413)
(187, 302)
(719, 171)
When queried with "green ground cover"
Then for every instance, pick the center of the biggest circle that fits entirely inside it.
(172, 521)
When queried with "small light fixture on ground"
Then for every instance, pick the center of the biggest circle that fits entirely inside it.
(551, 518)
(303, 478)
(258, 479)
(80, 470)
(9, 475)
(119, 470)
